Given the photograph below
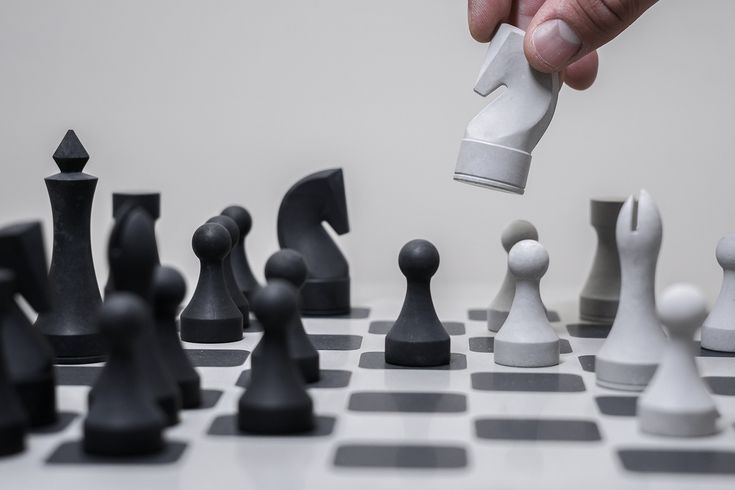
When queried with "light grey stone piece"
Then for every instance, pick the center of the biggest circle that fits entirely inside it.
(718, 331)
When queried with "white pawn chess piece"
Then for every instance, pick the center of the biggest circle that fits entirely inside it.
(718, 331)
(498, 310)
(677, 402)
(527, 339)
(633, 348)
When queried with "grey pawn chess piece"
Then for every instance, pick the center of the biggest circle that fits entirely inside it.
(498, 310)
(276, 401)
(599, 299)
(235, 293)
(29, 357)
(13, 421)
(718, 331)
(169, 290)
(289, 266)
(75, 292)
(527, 339)
(496, 148)
(418, 338)
(632, 350)
(123, 419)
(211, 316)
(315, 199)
(677, 402)
(244, 276)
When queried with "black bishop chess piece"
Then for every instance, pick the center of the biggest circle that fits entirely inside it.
(75, 292)
(276, 401)
(235, 293)
(169, 290)
(247, 282)
(13, 421)
(211, 316)
(123, 419)
(318, 198)
(30, 359)
(289, 266)
(418, 337)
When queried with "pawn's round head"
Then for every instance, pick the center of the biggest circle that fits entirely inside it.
(517, 231)
(418, 260)
(528, 260)
(211, 241)
(121, 318)
(288, 265)
(229, 225)
(242, 218)
(275, 304)
(726, 252)
(682, 309)
(169, 288)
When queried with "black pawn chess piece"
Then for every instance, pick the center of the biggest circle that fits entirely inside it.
(276, 401)
(235, 293)
(123, 420)
(133, 260)
(169, 289)
(13, 421)
(211, 316)
(240, 264)
(123, 202)
(289, 266)
(418, 338)
(29, 357)
(313, 200)
(75, 293)
(600, 296)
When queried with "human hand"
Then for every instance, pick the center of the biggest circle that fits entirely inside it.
(561, 35)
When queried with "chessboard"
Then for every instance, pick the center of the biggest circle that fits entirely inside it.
(469, 424)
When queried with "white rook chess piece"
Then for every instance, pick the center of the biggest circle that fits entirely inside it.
(718, 331)
(527, 339)
(633, 348)
(677, 402)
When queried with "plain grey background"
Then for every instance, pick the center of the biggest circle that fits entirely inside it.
(221, 102)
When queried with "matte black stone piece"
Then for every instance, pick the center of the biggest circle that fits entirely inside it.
(169, 290)
(123, 419)
(211, 316)
(537, 430)
(601, 293)
(13, 421)
(276, 401)
(528, 382)
(693, 461)
(27, 353)
(402, 456)
(418, 338)
(247, 282)
(235, 293)
(407, 402)
(63, 420)
(288, 265)
(317, 198)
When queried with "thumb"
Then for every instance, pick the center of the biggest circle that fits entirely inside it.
(563, 31)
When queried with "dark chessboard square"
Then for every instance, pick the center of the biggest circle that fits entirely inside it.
(698, 462)
(538, 382)
(62, 422)
(407, 402)
(401, 456)
(330, 378)
(217, 357)
(702, 352)
(226, 425)
(357, 313)
(72, 453)
(209, 399)
(480, 315)
(336, 342)
(77, 375)
(537, 430)
(721, 385)
(487, 345)
(376, 360)
(589, 330)
(588, 363)
(382, 327)
(617, 406)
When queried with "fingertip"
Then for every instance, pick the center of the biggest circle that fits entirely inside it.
(484, 16)
(581, 74)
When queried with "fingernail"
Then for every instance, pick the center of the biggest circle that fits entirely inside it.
(556, 43)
